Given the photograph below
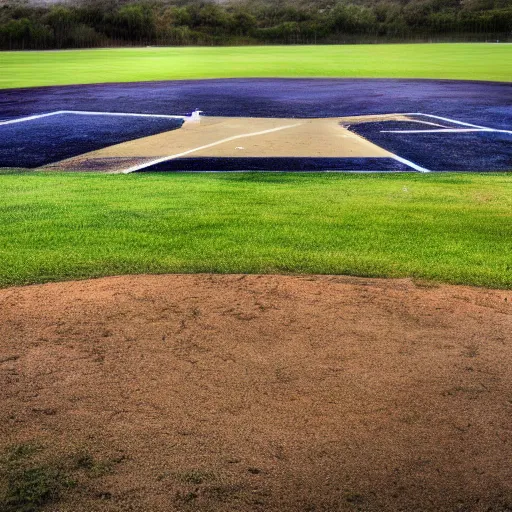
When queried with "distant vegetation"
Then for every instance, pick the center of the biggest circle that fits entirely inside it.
(95, 23)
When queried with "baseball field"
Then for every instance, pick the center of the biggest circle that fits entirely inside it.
(267, 278)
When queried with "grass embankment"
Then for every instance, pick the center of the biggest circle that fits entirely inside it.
(447, 228)
(450, 61)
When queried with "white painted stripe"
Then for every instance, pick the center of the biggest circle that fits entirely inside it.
(409, 163)
(87, 113)
(444, 130)
(459, 122)
(122, 114)
(195, 150)
(427, 122)
(28, 118)
(446, 119)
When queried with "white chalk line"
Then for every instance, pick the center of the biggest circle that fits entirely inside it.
(473, 128)
(206, 146)
(447, 119)
(89, 113)
(445, 130)
(409, 163)
(28, 118)
(483, 128)
(430, 124)
(165, 116)
(121, 114)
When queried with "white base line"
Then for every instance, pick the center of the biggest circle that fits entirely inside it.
(445, 130)
(122, 114)
(485, 128)
(164, 116)
(29, 118)
(473, 128)
(431, 124)
(195, 150)
(446, 119)
(410, 164)
(86, 113)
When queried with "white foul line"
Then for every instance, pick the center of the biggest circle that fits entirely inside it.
(409, 163)
(86, 113)
(29, 118)
(194, 150)
(483, 128)
(122, 114)
(472, 128)
(444, 130)
(431, 124)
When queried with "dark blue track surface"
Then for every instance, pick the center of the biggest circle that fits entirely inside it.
(483, 103)
(280, 164)
(50, 139)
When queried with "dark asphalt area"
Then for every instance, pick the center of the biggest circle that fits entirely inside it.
(205, 164)
(483, 103)
(50, 139)
(475, 151)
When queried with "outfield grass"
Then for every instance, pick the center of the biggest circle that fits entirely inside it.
(448, 228)
(450, 61)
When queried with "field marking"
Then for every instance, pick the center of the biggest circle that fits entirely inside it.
(207, 146)
(470, 128)
(409, 163)
(443, 130)
(429, 123)
(166, 116)
(447, 119)
(121, 114)
(91, 113)
(28, 118)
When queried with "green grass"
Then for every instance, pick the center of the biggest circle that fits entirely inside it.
(32, 477)
(445, 227)
(453, 61)
(25, 485)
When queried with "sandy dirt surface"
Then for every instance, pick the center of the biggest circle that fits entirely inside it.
(263, 393)
(233, 137)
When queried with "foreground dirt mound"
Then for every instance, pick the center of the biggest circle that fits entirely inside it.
(280, 393)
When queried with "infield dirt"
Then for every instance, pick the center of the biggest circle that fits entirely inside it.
(280, 393)
(233, 138)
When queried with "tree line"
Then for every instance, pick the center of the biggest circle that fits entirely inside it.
(95, 23)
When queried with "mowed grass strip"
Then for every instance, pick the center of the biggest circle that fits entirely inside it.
(460, 61)
(445, 228)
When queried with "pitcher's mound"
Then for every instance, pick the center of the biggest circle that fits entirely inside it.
(271, 393)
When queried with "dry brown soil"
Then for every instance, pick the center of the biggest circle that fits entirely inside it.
(263, 393)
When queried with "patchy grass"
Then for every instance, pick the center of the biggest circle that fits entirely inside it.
(30, 489)
(28, 484)
(195, 476)
(32, 477)
(461, 61)
(431, 227)
(94, 468)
